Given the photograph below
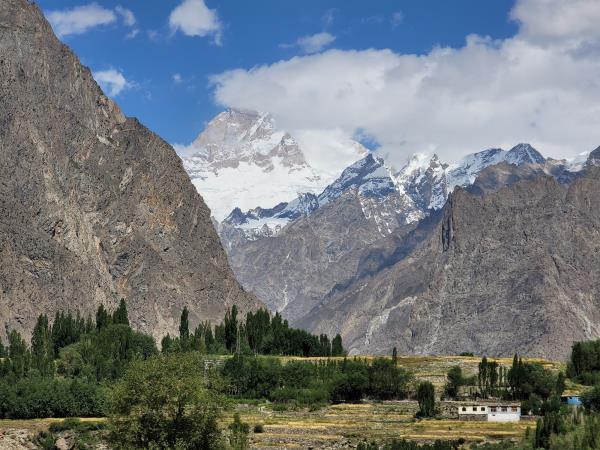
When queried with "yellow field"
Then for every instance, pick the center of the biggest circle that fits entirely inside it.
(346, 425)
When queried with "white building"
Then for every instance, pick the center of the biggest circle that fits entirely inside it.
(490, 412)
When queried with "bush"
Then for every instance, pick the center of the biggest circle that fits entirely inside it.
(161, 403)
(32, 398)
(591, 399)
(317, 395)
(259, 428)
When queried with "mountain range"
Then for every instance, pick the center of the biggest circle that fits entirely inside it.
(371, 253)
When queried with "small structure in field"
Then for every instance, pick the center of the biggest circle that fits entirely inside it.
(490, 412)
(571, 400)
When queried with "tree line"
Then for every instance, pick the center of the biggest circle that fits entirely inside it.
(258, 334)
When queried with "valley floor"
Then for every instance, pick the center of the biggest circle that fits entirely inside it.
(343, 426)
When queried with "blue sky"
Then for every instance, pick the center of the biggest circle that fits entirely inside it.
(255, 33)
(416, 75)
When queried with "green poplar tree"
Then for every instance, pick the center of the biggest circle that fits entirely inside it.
(120, 316)
(42, 347)
(184, 329)
(102, 318)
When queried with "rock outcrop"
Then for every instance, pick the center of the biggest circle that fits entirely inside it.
(93, 206)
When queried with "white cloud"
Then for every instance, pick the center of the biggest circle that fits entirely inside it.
(487, 93)
(127, 15)
(80, 19)
(112, 82)
(194, 18)
(555, 20)
(177, 78)
(313, 43)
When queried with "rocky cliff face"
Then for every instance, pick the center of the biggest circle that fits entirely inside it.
(509, 268)
(93, 206)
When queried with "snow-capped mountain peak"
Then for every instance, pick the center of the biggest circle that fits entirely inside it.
(524, 154)
(243, 160)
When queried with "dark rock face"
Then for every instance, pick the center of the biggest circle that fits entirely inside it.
(515, 269)
(93, 206)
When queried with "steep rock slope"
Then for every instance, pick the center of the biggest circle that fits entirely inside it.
(293, 269)
(322, 245)
(93, 206)
(513, 268)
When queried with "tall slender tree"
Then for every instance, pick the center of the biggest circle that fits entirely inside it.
(42, 347)
(120, 316)
(184, 329)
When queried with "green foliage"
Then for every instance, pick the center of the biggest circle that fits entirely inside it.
(455, 381)
(584, 365)
(120, 316)
(103, 319)
(75, 424)
(163, 403)
(238, 434)
(387, 381)
(426, 399)
(230, 324)
(560, 384)
(337, 349)
(487, 377)
(551, 423)
(184, 330)
(104, 354)
(259, 334)
(591, 399)
(19, 356)
(315, 383)
(526, 379)
(42, 347)
(409, 445)
(45, 397)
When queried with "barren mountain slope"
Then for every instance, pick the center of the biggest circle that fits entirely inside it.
(93, 206)
(514, 270)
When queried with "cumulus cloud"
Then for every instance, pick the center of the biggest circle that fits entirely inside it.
(452, 101)
(313, 43)
(112, 81)
(194, 18)
(555, 20)
(80, 19)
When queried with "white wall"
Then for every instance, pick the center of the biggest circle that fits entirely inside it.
(504, 416)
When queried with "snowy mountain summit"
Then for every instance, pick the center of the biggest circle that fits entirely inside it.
(406, 195)
(242, 160)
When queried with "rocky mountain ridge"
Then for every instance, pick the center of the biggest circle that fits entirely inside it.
(510, 267)
(423, 184)
(94, 207)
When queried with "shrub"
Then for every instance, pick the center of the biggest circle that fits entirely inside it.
(161, 403)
